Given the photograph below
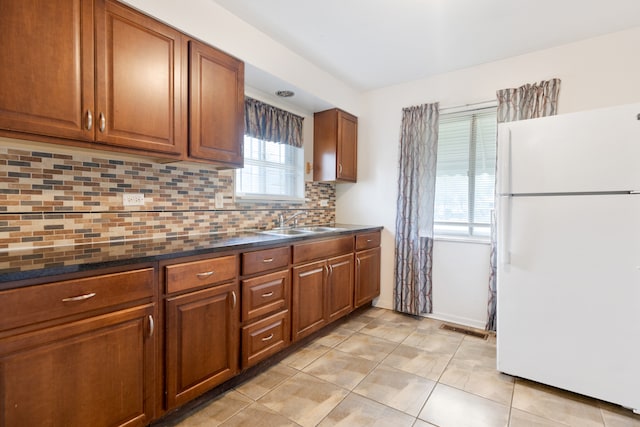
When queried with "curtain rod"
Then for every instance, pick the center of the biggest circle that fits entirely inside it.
(477, 105)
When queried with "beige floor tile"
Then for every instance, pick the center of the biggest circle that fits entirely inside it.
(615, 416)
(388, 329)
(426, 364)
(304, 399)
(342, 369)
(450, 407)
(524, 419)
(334, 337)
(472, 376)
(358, 411)
(434, 342)
(305, 355)
(480, 351)
(556, 405)
(367, 346)
(261, 384)
(400, 390)
(374, 312)
(420, 423)
(258, 415)
(219, 410)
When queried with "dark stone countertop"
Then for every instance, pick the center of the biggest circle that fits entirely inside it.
(24, 264)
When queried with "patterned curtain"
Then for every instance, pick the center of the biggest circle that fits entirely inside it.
(414, 220)
(269, 123)
(526, 102)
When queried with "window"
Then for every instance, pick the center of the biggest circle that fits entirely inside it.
(271, 171)
(273, 154)
(465, 174)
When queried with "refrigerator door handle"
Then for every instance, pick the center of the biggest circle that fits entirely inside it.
(634, 192)
(504, 248)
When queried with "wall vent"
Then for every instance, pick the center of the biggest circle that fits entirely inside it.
(467, 331)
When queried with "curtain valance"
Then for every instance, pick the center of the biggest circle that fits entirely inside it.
(269, 123)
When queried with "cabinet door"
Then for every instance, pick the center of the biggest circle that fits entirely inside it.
(308, 306)
(340, 286)
(202, 334)
(367, 276)
(140, 98)
(47, 67)
(97, 372)
(347, 147)
(216, 105)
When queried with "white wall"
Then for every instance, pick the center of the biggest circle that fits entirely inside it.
(595, 73)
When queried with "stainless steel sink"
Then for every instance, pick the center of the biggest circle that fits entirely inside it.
(300, 230)
(286, 232)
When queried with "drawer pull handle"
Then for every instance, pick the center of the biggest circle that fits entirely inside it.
(268, 294)
(205, 274)
(79, 297)
(267, 260)
(368, 240)
(103, 122)
(152, 326)
(235, 299)
(89, 120)
(267, 338)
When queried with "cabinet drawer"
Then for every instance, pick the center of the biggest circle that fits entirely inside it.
(265, 294)
(194, 274)
(367, 241)
(264, 338)
(322, 249)
(40, 303)
(268, 259)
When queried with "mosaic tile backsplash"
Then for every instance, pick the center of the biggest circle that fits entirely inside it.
(53, 199)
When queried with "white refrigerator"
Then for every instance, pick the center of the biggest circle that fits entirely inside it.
(568, 272)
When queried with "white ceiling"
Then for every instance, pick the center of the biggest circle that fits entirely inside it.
(370, 44)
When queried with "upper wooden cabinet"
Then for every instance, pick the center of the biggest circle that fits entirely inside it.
(216, 105)
(85, 72)
(47, 71)
(335, 141)
(139, 81)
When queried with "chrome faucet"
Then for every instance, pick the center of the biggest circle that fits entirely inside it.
(282, 221)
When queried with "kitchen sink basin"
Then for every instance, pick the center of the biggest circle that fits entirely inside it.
(300, 230)
(286, 232)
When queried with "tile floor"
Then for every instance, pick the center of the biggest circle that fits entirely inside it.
(380, 368)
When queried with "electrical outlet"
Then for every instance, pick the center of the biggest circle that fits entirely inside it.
(324, 203)
(133, 199)
(219, 202)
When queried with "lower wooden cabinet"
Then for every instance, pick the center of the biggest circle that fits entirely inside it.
(201, 341)
(97, 371)
(308, 299)
(339, 286)
(367, 285)
(265, 337)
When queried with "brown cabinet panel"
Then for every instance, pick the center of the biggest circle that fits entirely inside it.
(335, 141)
(139, 81)
(201, 341)
(34, 304)
(98, 371)
(367, 286)
(47, 71)
(308, 304)
(309, 251)
(367, 240)
(216, 105)
(196, 274)
(264, 260)
(264, 338)
(340, 286)
(265, 294)
(347, 147)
